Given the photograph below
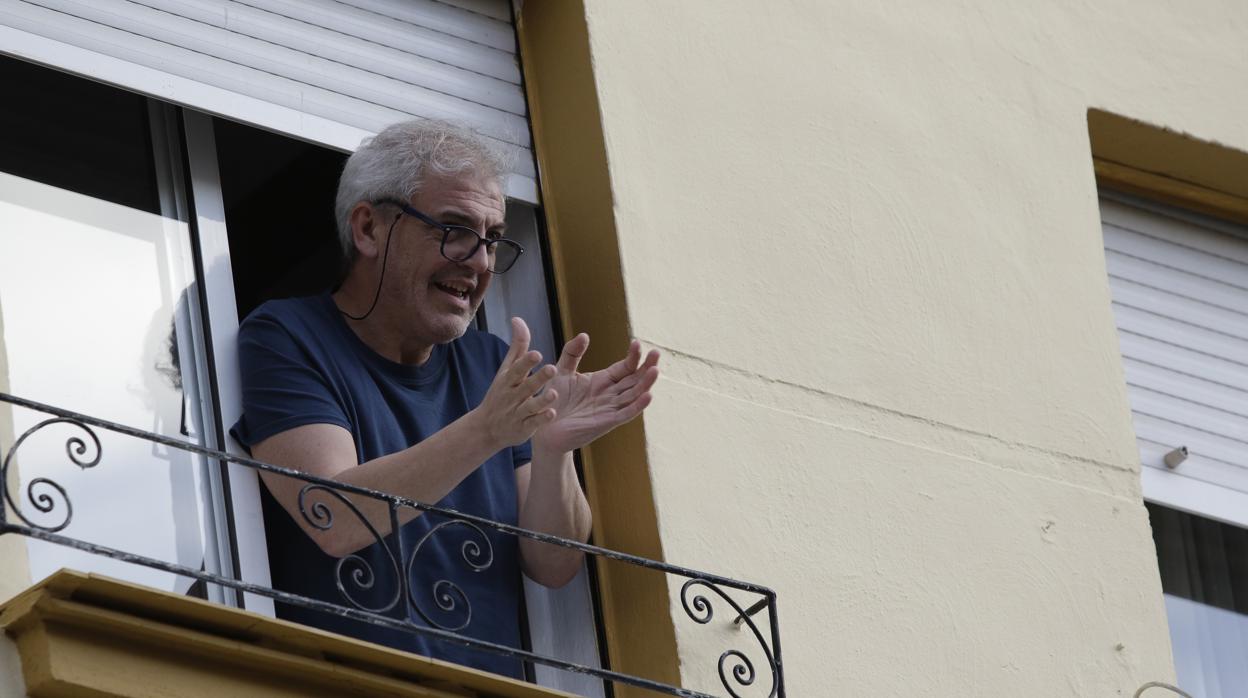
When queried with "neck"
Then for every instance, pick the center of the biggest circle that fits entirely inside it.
(377, 330)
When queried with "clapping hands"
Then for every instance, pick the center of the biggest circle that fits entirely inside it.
(559, 407)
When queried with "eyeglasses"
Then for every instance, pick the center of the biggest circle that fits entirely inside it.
(460, 243)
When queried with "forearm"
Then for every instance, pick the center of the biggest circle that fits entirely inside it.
(554, 505)
(425, 472)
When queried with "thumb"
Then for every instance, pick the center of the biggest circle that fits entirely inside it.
(519, 338)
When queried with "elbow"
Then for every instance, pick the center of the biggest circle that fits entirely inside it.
(556, 578)
(335, 546)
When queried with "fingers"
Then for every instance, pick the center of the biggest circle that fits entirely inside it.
(652, 359)
(631, 410)
(519, 340)
(539, 419)
(537, 380)
(645, 379)
(570, 359)
(620, 370)
(514, 373)
(538, 404)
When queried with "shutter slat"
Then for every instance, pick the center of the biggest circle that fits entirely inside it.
(334, 45)
(1135, 295)
(1180, 284)
(1173, 332)
(1205, 392)
(383, 60)
(357, 83)
(1161, 431)
(1197, 466)
(303, 68)
(444, 18)
(1226, 241)
(498, 9)
(372, 27)
(1182, 360)
(1190, 415)
(1178, 257)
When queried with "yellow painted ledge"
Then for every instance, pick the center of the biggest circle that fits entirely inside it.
(85, 635)
(1167, 166)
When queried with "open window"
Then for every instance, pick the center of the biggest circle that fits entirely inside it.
(131, 244)
(1180, 289)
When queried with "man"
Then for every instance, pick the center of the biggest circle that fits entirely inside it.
(383, 385)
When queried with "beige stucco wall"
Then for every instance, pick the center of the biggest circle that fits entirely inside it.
(866, 237)
(14, 565)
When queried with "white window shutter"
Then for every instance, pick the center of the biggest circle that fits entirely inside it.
(1180, 299)
(321, 70)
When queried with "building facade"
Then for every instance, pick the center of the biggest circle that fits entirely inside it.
(868, 241)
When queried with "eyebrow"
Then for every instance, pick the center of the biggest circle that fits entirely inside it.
(456, 218)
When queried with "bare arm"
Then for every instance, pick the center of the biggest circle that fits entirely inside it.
(425, 472)
(589, 405)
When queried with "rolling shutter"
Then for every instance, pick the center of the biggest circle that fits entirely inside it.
(326, 71)
(1180, 300)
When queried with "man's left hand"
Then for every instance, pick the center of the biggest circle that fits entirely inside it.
(592, 404)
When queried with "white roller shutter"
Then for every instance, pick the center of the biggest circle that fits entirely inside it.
(1180, 298)
(327, 71)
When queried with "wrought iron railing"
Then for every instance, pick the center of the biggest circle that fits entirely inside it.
(700, 593)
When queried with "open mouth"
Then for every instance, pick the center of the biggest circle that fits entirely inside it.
(454, 289)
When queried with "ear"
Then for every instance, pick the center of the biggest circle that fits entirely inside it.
(367, 230)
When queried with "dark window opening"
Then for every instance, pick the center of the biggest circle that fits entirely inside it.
(77, 135)
(278, 194)
(1200, 559)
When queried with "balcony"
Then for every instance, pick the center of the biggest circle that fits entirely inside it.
(43, 509)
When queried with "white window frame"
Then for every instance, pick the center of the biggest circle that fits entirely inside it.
(561, 622)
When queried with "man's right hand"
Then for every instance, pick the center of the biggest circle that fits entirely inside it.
(512, 409)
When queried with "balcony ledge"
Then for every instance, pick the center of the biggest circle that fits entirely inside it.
(84, 634)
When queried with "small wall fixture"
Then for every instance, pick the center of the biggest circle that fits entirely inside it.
(1175, 457)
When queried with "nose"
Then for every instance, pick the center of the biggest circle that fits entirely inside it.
(479, 261)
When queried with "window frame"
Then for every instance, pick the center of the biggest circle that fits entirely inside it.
(199, 102)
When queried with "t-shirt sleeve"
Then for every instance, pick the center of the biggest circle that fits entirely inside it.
(282, 389)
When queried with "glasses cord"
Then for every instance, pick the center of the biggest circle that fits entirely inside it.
(384, 257)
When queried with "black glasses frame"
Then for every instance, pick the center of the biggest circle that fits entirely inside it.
(447, 229)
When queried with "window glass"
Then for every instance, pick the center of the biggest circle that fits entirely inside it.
(95, 282)
(1204, 575)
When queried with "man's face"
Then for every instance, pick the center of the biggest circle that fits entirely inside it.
(436, 298)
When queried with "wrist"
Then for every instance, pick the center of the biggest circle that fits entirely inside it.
(545, 455)
(480, 429)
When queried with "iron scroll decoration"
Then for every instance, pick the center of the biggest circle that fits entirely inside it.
(446, 594)
(44, 501)
(354, 574)
(736, 670)
(352, 566)
(700, 610)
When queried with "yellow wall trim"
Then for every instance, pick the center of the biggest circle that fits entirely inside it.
(87, 635)
(578, 204)
(1165, 165)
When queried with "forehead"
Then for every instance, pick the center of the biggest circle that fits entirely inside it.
(468, 194)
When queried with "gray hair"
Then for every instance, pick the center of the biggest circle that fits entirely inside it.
(395, 162)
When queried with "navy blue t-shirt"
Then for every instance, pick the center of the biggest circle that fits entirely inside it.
(301, 364)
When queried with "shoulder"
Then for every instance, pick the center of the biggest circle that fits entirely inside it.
(292, 327)
(295, 316)
(308, 308)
